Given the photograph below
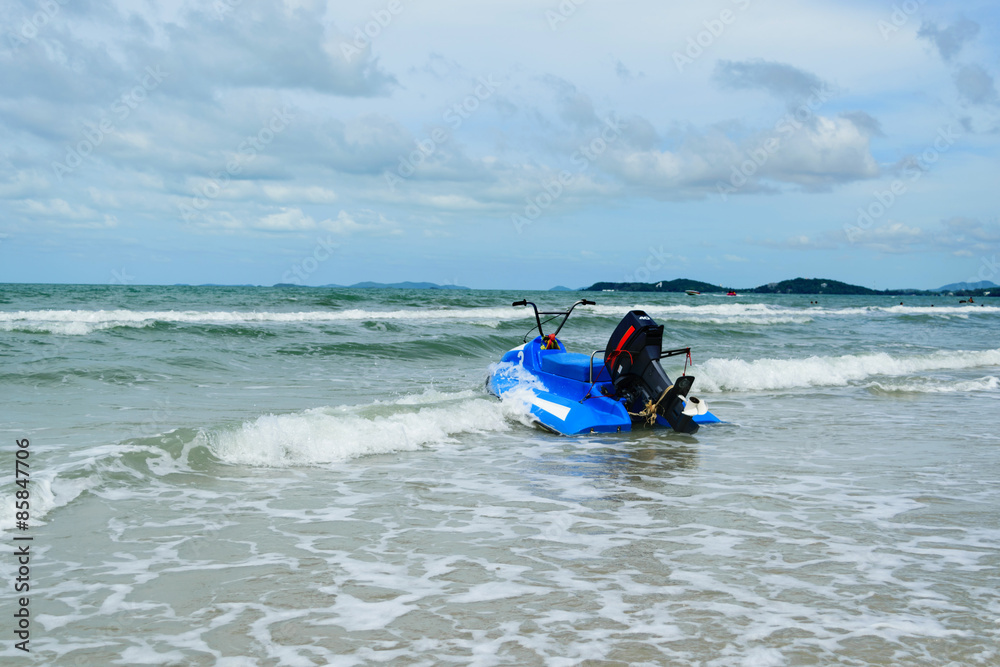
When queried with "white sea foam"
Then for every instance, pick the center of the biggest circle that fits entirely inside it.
(718, 309)
(721, 313)
(769, 374)
(322, 436)
(964, 310)
(511, 371)
(49, 491)
(80, 322)
(771, 310)
(763, 314)
(928, 386)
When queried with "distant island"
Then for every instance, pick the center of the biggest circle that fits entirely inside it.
(679, 285)
(812, 286)
(371, 285)
(957, 287)
(403, 285)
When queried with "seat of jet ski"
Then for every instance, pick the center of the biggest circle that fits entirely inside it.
(573, 365)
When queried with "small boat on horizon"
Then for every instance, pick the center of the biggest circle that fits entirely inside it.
(692, 292)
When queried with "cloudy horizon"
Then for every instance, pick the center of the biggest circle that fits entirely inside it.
(522, 144)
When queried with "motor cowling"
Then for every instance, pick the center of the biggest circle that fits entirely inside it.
(632, 358)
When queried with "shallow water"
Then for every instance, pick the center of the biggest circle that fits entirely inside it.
(252, 476)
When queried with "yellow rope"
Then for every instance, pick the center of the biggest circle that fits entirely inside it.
(649, 412)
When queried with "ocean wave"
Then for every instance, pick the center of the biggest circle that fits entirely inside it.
(770, 314)
(965, 311)
(742, 319)
(311, 437)
(717, 375)
(927, 386)
(81, 322)
(49, 490)
(723, 313)
(771, 310)
(323, 436)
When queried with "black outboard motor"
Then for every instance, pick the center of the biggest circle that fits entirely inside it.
(633, 361)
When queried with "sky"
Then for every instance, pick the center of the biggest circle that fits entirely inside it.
(515, 144)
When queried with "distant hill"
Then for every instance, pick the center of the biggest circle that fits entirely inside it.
(812, 286)
(404, 285)
(560, 288)
(796, 286)
(955, 287)
(678, 285)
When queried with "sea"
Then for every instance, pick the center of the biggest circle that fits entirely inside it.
(250, 476)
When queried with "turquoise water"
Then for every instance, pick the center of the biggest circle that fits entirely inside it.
(303, 476)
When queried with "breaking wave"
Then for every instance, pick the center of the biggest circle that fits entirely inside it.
(927, 386)
(717, 375)
(325, 435)
(769, 310)
(82, 322)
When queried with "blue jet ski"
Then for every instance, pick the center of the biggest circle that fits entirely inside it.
(620, 388)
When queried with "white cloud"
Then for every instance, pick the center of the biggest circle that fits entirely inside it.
(310, 194)
(958, 236)
(287, 220)
(892, 237)
(364, 222)
(58, 209)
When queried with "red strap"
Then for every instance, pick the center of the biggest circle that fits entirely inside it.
(628, 334)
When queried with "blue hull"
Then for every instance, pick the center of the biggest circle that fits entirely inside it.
(564, 393)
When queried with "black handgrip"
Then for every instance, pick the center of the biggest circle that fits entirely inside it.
(522, 302)
(587, 303)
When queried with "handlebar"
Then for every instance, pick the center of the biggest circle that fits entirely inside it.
(564, 313)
